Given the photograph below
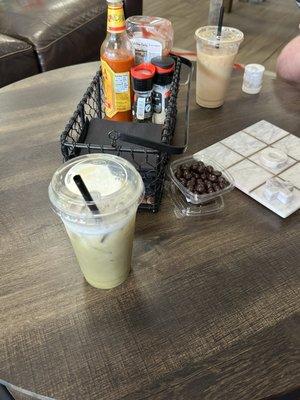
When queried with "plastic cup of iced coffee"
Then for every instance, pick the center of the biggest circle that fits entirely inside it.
(102, 240)
(215, 58)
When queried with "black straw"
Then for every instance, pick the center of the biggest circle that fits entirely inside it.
(220, 25)
(85, 194)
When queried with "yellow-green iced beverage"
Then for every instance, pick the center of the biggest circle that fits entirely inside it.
(102, 240)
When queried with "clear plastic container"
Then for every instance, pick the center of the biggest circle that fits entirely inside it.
(188, 203)
(102, 240)
(150, 37)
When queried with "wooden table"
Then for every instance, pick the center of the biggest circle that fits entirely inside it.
(210, 309)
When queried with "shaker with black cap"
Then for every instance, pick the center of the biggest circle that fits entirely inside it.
(142, 82)
(161, 89)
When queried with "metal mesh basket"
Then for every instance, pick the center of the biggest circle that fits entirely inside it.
(150, 162)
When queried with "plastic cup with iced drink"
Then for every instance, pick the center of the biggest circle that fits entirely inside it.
(102, 240)
(215, 58)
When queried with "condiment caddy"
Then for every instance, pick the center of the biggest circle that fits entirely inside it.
(138, 81)
(149, 157)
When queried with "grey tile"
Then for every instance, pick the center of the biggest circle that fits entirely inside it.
(243, 143)
(290, 145)
(292, 175)
(266, 132)
(248, 175)
(256, 158)
(284, 210)
(221, 154)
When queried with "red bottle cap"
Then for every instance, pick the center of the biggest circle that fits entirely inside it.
(143, 71)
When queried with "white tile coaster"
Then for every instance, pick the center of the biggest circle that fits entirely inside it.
(248, 175)
(292, 175)
(284, 210)
(266, 132)
(243, 144)
(290, 145)
(240, 154)
(218, 151)
(256, 158)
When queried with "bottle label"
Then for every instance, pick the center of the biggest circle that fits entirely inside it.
(116, 87)
(161, 97)
(142, 108)
(157, 102)
(145, 49)
(115, 19)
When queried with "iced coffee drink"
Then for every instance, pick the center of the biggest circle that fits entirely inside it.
(104, 256)
(102, 240)
(215, 58)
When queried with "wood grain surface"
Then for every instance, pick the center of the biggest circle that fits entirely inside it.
(210, 310)
(267, 26)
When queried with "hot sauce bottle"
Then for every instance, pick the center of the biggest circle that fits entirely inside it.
(116, 60)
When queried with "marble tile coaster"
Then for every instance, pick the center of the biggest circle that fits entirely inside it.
(221, 154)
(256, 158)
(240, 154)
(290, 145)
(284, 210)
(243, 144)
(266, 132)
(292, 175)
(248, 175)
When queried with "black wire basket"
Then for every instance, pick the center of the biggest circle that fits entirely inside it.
(149, 155)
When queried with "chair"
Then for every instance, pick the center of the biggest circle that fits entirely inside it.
(56, 32)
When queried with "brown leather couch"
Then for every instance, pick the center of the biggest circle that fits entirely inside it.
(17, 60)
(40, 35)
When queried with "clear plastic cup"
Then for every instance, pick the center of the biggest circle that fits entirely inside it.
(102, 241)
(215, 58)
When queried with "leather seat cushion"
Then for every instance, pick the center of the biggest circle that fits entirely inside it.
(17, 60)
(63, 32)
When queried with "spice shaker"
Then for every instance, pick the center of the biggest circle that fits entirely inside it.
(161, 88)
(142, 82)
